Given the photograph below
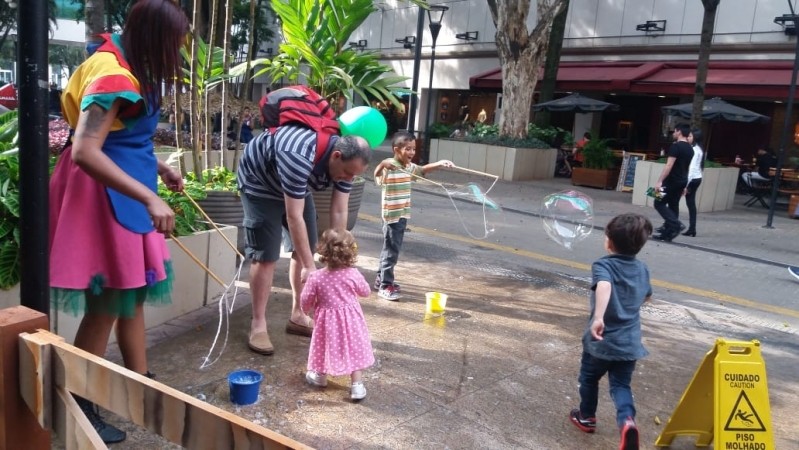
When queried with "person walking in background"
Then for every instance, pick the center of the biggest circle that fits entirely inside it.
(612, 341)
(246, 126)
(340, 344)
(395, 175)
(108, 255)
(694, 179)
(672, 182)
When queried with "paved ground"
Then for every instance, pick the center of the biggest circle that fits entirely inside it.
(498, 369)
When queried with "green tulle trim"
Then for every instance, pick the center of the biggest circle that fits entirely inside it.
(118, 302)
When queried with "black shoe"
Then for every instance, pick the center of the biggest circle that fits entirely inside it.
(662, 228)
(665, 236)
(690, 233)
(107, 432)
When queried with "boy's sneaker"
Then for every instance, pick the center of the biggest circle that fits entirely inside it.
(629, 435)
(389, 293)
(358, 391)
(379, 283)
(794, 271)
(587, 425)
(316, 379)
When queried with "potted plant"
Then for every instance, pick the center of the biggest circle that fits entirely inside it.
(599, 166)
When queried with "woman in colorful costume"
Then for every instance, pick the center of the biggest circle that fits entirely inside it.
(108, 253)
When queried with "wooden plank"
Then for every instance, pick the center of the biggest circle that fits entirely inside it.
(72, 425)
(178, 417)
(35, 375)
(18, 423)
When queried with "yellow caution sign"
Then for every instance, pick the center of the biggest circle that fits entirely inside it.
(727, 400)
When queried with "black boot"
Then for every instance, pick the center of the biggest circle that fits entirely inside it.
(108, 433)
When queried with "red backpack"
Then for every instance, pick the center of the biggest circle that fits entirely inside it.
(300, 105)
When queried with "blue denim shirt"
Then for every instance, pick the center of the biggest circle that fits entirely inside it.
(630, 286)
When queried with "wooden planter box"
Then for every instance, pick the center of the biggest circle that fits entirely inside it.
(508, 163)
(716, 193)
(597, 178)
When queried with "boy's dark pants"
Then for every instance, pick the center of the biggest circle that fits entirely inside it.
(620, 374)
(392, 243)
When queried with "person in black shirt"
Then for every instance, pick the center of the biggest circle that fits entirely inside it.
(673, 181)
(764, 161)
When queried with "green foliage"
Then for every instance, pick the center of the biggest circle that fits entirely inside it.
(316, 52)
(439, 130)
(597, 154)
(206, 78)
(481, 130)
(489, 134)
(188, 219)
(549, 134)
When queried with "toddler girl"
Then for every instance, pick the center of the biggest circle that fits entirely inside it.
(340, 343)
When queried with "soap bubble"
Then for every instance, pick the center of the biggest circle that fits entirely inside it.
(479, 214)
(568, 217)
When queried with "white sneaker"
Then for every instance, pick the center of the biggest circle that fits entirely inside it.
(358, 391)
(794, 271)
(316, 379)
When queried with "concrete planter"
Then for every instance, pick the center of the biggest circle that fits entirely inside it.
(508, 163)
(193, 288)
(322, 199)
(716, 193)
(224, 208)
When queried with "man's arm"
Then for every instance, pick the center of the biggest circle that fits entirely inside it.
(666, 171)
(339, 207)
(299, 234)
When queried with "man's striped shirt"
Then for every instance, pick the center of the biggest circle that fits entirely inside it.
(396, 198)
(284, 163)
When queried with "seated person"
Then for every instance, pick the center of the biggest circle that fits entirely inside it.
(577, 153)
(764, 161)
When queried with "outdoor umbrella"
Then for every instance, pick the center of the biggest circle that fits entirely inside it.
(716, 110)
(577, 103)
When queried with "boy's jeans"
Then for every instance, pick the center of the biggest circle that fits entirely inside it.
(392, 242)
(619, 375)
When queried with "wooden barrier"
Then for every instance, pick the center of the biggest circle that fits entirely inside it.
(57, 370)
(17, 423)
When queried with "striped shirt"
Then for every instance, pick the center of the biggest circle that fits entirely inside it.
(396, 198)
(272, 166)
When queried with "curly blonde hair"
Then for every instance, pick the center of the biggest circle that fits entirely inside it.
(337, 249)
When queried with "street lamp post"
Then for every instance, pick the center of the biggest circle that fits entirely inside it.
(435, 14)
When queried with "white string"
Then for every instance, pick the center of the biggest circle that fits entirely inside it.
(225, 310)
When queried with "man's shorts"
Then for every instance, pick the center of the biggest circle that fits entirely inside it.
(266, 228)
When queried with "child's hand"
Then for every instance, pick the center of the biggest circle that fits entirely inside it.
(597, 329)
(445, 163)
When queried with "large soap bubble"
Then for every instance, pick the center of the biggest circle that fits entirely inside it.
(366, 122)
(479, 214)
(568, 217)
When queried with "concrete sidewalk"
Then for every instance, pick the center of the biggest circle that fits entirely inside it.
(499, 368)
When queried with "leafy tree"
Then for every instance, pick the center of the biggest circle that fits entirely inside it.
(8, 19)
(315, 51)
(521, 53)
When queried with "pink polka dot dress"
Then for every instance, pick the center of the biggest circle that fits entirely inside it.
(340, 343)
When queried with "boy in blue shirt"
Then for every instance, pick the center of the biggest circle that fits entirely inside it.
(612, 341)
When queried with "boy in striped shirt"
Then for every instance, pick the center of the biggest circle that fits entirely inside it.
(395, 176)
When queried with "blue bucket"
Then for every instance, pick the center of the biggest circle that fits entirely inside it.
(244, 386)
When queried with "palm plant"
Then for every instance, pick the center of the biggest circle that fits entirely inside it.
(315, 51)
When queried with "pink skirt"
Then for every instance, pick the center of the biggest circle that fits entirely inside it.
(92, 255)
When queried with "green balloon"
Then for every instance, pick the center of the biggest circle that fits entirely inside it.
(366, 122)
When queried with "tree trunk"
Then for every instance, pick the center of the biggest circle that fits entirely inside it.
(708, 23)
(93, 15)
(520, 55)
(551, 65)
(194, 102)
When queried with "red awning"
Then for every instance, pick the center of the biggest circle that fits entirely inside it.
(746, 79)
